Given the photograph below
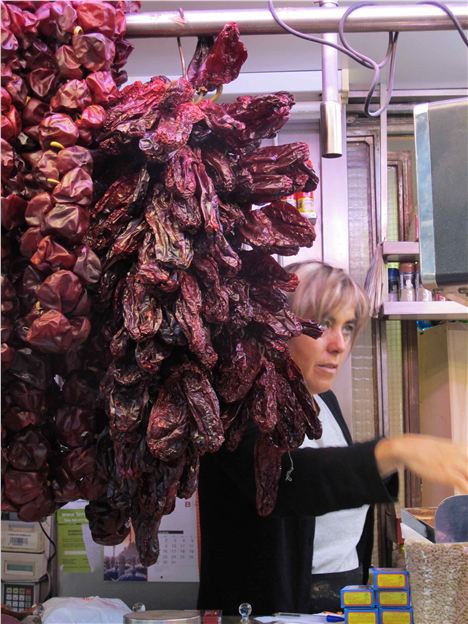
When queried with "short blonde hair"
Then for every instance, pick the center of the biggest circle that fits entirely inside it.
(323, 289)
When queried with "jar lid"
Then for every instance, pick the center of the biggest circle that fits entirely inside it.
(163, 617)
(407, 267)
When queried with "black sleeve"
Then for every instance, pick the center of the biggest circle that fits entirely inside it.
(320, 480)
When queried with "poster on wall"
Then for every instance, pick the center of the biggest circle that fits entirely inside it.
(71, 549)
(178, 551)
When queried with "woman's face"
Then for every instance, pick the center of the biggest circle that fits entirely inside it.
(320, 359)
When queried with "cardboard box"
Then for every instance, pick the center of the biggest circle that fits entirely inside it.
(361, 616)
(393, 598)
(396, 616)
(389, 578)
(357, 596)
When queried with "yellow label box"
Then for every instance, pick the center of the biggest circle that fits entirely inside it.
(389, 578)
(393, 598)
(357, 616)
(396, 616)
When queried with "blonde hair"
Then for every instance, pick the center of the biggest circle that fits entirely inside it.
(323, 289)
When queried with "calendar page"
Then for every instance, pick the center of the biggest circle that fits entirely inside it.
(178, 551)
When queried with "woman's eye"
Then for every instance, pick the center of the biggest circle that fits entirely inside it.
(348, 330)
(326, 324)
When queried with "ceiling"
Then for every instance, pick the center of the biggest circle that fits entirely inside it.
(425, 60)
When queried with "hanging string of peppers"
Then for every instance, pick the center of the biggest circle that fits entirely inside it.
(145, 320)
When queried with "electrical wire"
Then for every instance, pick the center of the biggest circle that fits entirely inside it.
(347, 49)
(49, 579)
(50, 540)
(359, 57)
(450, 13)
(367, 61)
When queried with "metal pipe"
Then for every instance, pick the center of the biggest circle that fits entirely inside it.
(379, 18)
(331, 140)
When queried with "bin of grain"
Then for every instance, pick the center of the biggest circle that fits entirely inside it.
(438, 581)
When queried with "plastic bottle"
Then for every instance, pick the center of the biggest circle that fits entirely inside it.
(393, 283)
(407, 283)
(305, 205)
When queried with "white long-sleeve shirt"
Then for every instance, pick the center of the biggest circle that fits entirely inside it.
(337, 533)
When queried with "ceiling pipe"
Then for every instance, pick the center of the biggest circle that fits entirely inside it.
(331, 139)
(379, 18)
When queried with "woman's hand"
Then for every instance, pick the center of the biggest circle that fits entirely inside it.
(436, 459)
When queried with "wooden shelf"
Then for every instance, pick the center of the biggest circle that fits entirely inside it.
(424, 310)
(396, 251)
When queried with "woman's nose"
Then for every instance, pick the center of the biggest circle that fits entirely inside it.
(336, 341)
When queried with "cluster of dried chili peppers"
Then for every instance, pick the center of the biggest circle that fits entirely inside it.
(61, 64)
(142, 222)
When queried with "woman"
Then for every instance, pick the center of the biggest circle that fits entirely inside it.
(318, 537)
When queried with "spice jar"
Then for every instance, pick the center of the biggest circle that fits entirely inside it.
(393, 283)
(305, 205)
(407, 283)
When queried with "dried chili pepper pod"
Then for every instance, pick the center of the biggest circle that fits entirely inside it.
(94, 51)
(267, 474)
(41, 507)
(87, 265)
(179, 177)
(28, 450)
(42, 81)
(75, 187)
(222, 63)
(34, 111)
(102, 87)
(92, 117)
(72, 157)
(97, 17)
(29, 241)
(51, 256)
(52, 332)
(9, 44)
(17, 89)
(67, 62)
(6, 101)
(59, 128)
(22, 486)
(204, 45)
(64, 487)
(60, 291)
(71, 97)
(13, 211)
(57, 20)
(10, 124)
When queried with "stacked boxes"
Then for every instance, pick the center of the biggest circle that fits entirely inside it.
(386, 600)
(358, 602)
(392, 593)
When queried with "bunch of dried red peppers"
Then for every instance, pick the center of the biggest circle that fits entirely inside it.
(144, 321)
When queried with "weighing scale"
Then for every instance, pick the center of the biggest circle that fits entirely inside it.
(25, 555)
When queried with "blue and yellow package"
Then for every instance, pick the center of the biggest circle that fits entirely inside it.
(393, 598)
(388, 578)
(396, 616)
(361, 616)
(357, 596)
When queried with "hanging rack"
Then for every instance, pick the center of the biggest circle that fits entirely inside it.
(379, 18)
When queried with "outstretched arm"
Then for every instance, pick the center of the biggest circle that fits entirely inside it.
(435, 459)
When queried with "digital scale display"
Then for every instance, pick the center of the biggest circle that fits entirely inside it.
(19, 567)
